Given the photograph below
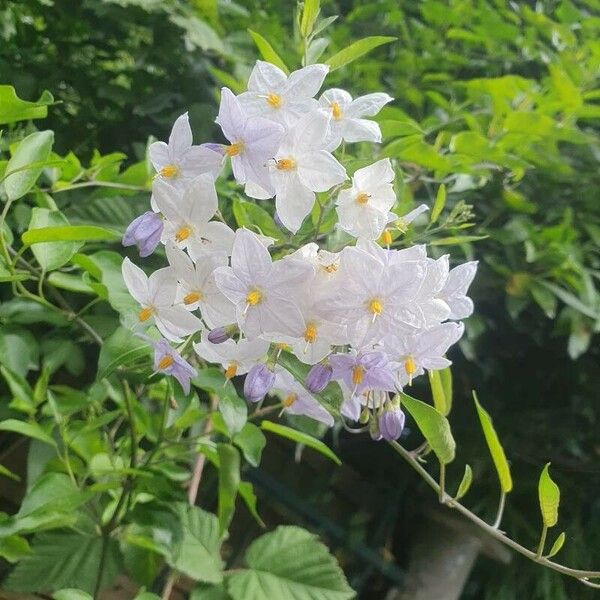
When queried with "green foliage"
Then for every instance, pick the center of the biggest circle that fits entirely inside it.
(549, 496)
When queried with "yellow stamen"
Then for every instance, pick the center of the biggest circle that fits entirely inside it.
(386, 238)
(289, 400)
(231, 370)
(331, 268)
(234, 149)
(183, 233)
(362, 198)
(281, 346)
(170, 171)
(358, 374)
(191, 298)
(336, 111)
(375, 306)
(165, 362)
(145, 314)
(286, 164)
(410, 367)
(310, 333)
(274, 100)
(254, 297)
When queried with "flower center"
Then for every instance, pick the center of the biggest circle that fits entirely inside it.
(386, 238)
(362, 198)
(331, 268)
(310, 333)
(289, 400)
(234, 149)
(145, 313)
(336, 111)
(170, 171)
(375, 306)
(165, 362)
(231, 370)
(183, 233)
(254, 297)
(286, 164)
(358, 374)
(274, 100)
(191, 298)
(410, 366)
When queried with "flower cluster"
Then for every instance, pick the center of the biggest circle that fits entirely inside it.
(367, 316)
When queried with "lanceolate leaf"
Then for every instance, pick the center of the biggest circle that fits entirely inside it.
(438, 205)
(356, 50)
(438, 393)
(434, 427)
(289, 563)
(549, 495)
(69, 233)
(496, 450)
(557, 546)
(465, 483)
(267, 51)
(229, 482)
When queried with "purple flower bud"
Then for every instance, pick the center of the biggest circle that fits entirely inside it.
(144, 232)
(391, 423)
(218, 335)
(259, 381)
(318, 378)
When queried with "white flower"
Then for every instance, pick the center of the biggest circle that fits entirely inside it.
(156, 295)
(297, 400)
(253, 141)
(284, 99)
(178, 161)
(347, 122)
(237, 358)
(261, 289)
(302, 168)
(363, 209)
(187, 218)
(197, 288)
(455, 291)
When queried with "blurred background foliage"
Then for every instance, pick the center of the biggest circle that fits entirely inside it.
(497, 101)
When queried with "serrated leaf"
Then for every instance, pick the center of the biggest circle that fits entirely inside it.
(289, 563)
(356, 50)
(549, 495)
(558, 544)
(267, 51)
(465, 483)
(438, 205)
(495, 447)
(434, 427)
(300, 438)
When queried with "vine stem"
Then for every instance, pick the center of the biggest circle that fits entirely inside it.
(500, 511)
(579, 574)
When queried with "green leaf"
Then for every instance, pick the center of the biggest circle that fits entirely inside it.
(4, 472)
(35, 148)
(465, 483)
(251, 441)
(438, 205)
(310, 12)
(13, 548)
(210, 592)
(300, 438)
(558, 544)
(71, 594)
(267, 51)
(246, 492)
(70, 233)
(50, 255)
(434, 427)
(446, 379)
(32, 430)
(65, 559)
(121, 348)
(356, 50)
(438, 393)
(496, 450)
(229, 481)
(197, 553)
(13, 109)
(289, 562)
(250, 215)
(549, 496)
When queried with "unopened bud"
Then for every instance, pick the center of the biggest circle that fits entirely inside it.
(318, 378)
(391, 423)
(365, 415)
(222, 334)
(374, 430)
(144, 232)
(259, 381)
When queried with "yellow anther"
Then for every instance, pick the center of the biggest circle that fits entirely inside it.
(358, 374)
(165, 362)
(410, 366)
(362, 198)
(331, 268)
(386, 238)
(254, 297)
(145, 313)
(286, 164)
(336, 111)
(191, 298)
(281, 346)
(375, 306)
(234, 149)
(183, 233)
(170, 171)
(231, 370)
(310, 333)
(289, 400)
(274, 100)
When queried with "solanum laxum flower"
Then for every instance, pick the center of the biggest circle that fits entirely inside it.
(168, 361)
(455, 290)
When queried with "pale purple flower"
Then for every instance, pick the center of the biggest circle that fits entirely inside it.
(391, 423)
(363, 371)
(258, 383)
(318, 377)
(168, 361)
(219, 335)
(144, 232)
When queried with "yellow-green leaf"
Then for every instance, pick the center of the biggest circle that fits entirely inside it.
(434, 427)
(496, 450)
(438, 205)
(446, 379)
(549, 498)
(69, 233)
(356, 50)
(267, 51)
(465, 483)
(438, 393)
(310, 12)
(558, 544)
